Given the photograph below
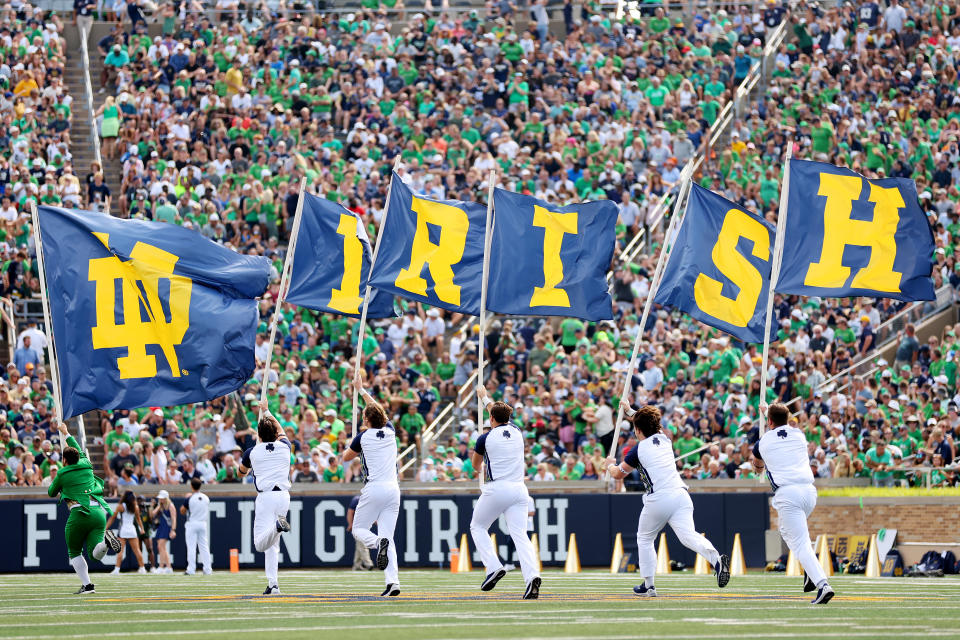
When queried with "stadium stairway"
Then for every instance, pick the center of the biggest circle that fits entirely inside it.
(94, 439)
(82, 131)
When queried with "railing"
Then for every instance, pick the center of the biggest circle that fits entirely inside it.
(730, 111)
(88, 90)
(867, 366)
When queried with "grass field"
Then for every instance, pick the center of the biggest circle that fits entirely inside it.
(438, 605)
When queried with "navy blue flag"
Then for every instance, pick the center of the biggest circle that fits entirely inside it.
(719, 269)
(432, 250)
(331, 262)
(146, 313)
(847, 235)
(549, 260)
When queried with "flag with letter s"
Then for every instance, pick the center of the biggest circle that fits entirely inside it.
(719, 269)
(847, 235)
(331, 262)
(432, 250)
(146, 313)
(550, 260)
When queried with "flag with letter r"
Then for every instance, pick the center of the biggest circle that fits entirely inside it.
(146, 313)
(719, 269)
(432, 250)
(847, 235)
(331, 262)
(549, 260)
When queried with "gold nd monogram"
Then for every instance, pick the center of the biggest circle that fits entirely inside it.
(140, 288)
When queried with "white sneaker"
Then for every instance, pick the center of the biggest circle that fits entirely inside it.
(141, 570)
(116, 571)
(168, 571)
(155, 570)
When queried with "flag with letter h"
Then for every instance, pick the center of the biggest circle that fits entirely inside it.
(331, 262)
(719, 269)
(432, 250)
(550, 260)
(847, 235)
(146, 313)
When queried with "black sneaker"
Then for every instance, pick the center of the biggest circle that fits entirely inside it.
(808, 585)
(722, 571)
(282, 525)
(272, 591)
(392, 590)
(112, 541)
(643, 591)
(85, 589)
(533, 589)
(492, 579)
(382, 558)
(824, 595)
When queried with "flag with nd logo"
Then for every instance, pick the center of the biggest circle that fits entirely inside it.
(847, 235)
(432, 250)
(550, 260)
(719, 269)
(146, 313)
(331, 262)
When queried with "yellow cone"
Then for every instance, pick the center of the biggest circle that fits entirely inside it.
(663, 556)
(617, 554)
(701, 567)
(536, 550)
(873, 559)
(572, 565)
(824, 556)
(737, 565)
(465, 565)
(793, 567)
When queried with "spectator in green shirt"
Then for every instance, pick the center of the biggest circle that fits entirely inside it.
(880, 463)
(687, 443)
(571, 330)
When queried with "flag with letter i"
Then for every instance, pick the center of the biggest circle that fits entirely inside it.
(331, 262)
(847, 235)
(146, 313)
(549, 260)
(719, 269)
(432, 250)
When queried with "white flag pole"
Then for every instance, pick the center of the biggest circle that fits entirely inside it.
(654, 285)
(777, 255)
(282, 293)
(358, 360)
(481, 348)
(48, 322)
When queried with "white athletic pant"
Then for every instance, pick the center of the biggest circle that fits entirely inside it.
(510, 499)
(270, 506)
(380, 503)
(676, 508)
(197, 536)
(794, 504)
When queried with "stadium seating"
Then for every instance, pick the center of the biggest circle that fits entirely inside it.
(209, 119)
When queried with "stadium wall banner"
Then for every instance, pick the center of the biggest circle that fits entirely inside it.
(428, 527)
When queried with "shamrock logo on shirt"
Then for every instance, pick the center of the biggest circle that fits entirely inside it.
(656, 441)
(782, 433)
(269, 446)
(506, 434)
(381, 435)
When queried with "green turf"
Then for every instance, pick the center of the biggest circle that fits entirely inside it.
(438, 605)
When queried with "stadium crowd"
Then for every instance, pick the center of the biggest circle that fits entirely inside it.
(215, 121)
